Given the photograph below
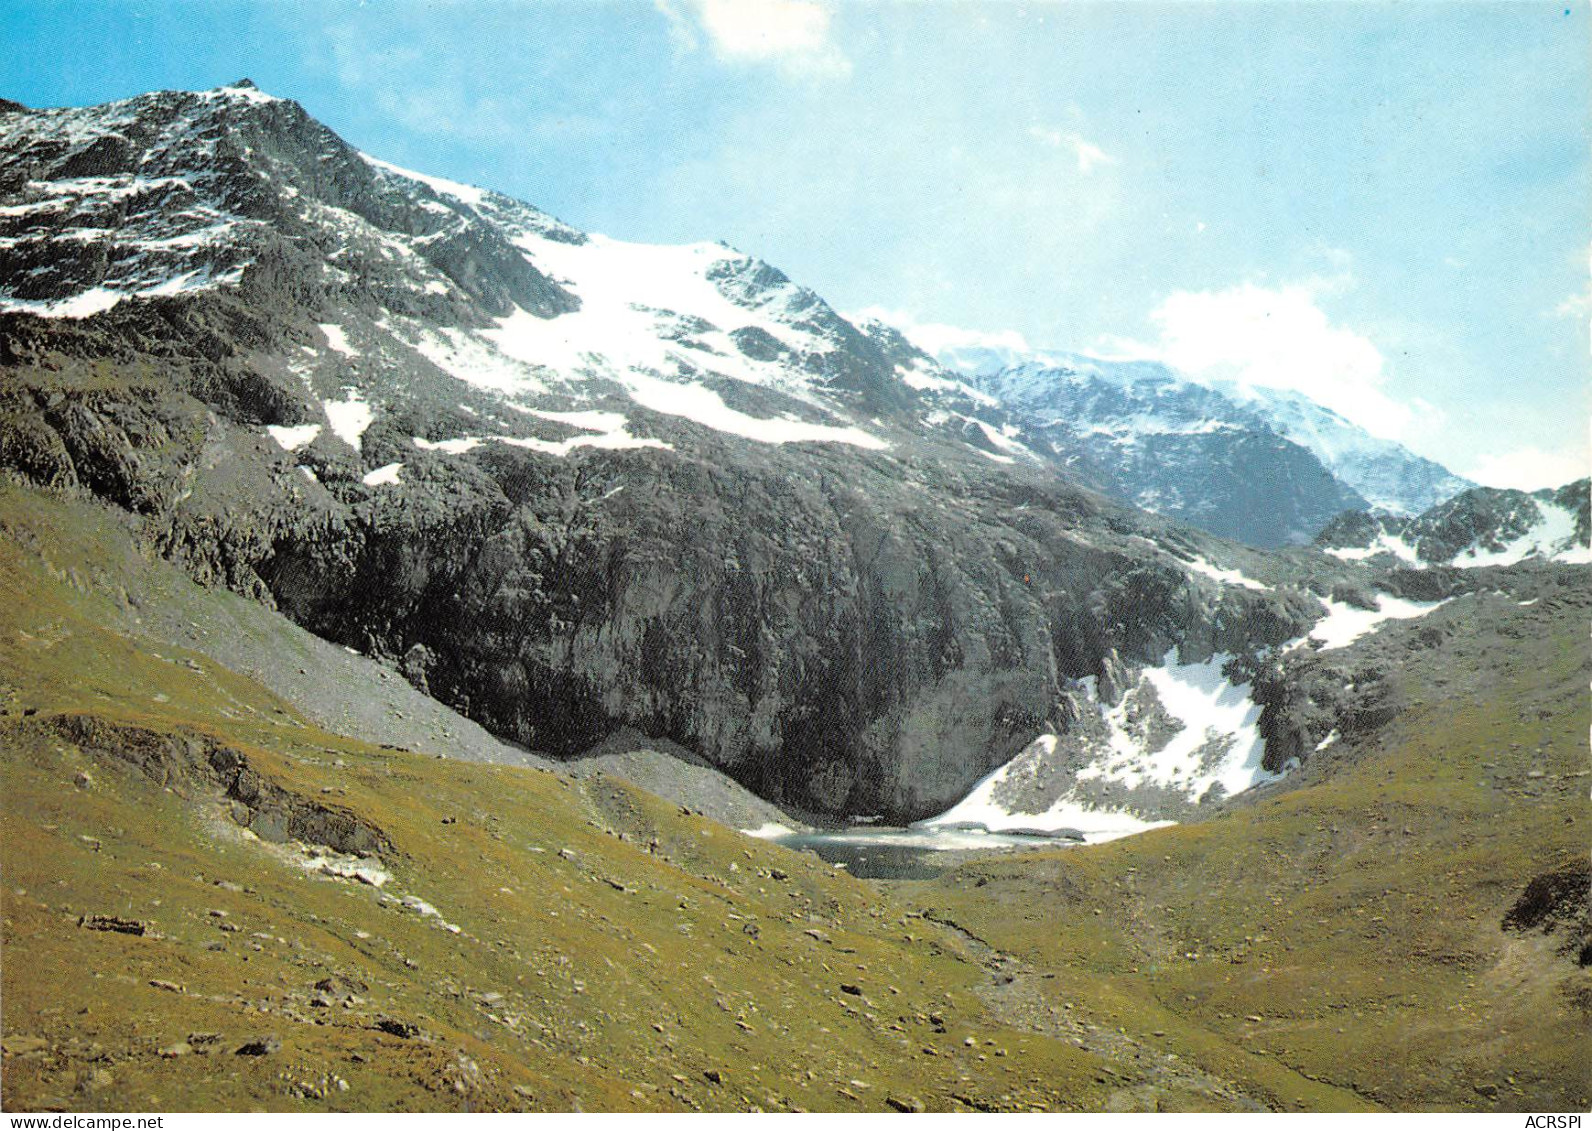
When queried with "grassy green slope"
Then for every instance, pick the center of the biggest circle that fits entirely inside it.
(1351, 930)
(612, 951)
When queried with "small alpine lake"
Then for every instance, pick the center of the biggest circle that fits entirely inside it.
(917, 853)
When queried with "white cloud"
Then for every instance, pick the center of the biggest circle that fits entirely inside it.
(443, 105)
(1277, 337)
(1576, 306)
(936, 337)
(1115, 347)
(682, 32)
(1088, 153)
(1338, 276)
(1529, 468)
(793, 35)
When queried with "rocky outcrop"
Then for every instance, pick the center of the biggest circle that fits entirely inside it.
(1314, 699)
(193, 763)
(1486, 518)
(1558, 902)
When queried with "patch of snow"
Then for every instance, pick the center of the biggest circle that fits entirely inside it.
(1218, 746)
(1129, 429)
(134, 277)
(467, 194)
(453, 447)
(309, 473)
(1225, 576)
(609, 428)
(609, 440)
(85, 304)
(426, 910)
(914, 377)
(292, 437)
(703, 406)
(1211, 710)
(384, 476)
(1001, 439)
(338, 340)
(1344, 624)
(470, 359)
(652, 320)
(238, 94)
(1553, 537)
(1385, 544)
(625, 287)
(980, 806)
(349, 417)
(590, 419)
(1327, 742)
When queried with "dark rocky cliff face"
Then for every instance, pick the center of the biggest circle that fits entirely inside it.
(842, 632)
(299, 370)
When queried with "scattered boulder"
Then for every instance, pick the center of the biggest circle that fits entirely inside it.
(341, 985)
(113, 923)
(258, 1046)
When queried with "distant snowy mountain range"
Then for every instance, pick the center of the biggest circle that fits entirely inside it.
(1484, 526)
(1266, 466)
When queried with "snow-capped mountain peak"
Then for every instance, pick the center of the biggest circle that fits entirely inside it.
(1390, 476)
(223, 190)
(1117, 419)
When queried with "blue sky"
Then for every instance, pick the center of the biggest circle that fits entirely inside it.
(1388, 205)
